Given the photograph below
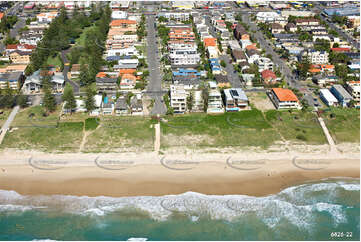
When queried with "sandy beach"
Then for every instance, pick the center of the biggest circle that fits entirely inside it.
(130, 174)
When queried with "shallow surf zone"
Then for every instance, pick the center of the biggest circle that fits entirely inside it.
(330, 203)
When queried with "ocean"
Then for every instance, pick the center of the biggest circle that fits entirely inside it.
(321, 210)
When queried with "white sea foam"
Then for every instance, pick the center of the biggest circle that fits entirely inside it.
(290, 205)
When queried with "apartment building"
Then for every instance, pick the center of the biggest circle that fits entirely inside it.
(20, 57)
(185, 34)
(14, 79)
(184, 57)
(353, 87)
(318, 57)
(284, 99)
(215, 103)
(178, 98)
(178, 16)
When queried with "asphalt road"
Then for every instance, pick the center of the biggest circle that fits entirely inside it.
(154, 88)
(232, 76)
(76, 87)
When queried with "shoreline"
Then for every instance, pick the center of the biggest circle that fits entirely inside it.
(150, 174)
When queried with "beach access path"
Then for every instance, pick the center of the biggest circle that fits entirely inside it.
(8, 122)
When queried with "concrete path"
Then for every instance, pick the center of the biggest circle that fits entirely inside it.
(8, 122)
(157, 137)
(333, 148)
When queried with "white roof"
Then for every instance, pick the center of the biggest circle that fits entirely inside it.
(98, 100)
(328, 95)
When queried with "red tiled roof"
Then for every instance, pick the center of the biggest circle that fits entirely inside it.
(210, 42)
(1, 15)
(12, 47)
(268, 74)
(285, 95)
(119, 22)
(340, 49)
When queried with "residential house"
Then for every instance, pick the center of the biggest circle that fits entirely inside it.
(276, 28)
(127, 81)
(30, 39)
(269, 77)
(325, 81)
(240, 33)
(98, 99)
(222, 81)
(284, 98)
(107, 106)
(291, 27)
(235, 99)
(238, 56)
(33, 83)
(215, 66)
(327, 97)
(75, 70)
(121, 106)
(136, 105)
(178, 98)
(341, 94)
(252, 55)
(264, 63)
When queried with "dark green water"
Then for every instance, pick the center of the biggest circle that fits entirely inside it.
(310, 211)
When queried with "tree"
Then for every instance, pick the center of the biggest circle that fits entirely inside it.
(190, 98)
(21, 100)
(49, 100)
(223, 63)
(68, 97)
(162, 19)
(129, 97)
(89, 100)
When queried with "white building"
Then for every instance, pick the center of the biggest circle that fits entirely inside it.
(178, 98)
(318, 57)
(120, 52)
(178, 16)
(327, 97)
(212, 52)
(119, 15)
(185, 57)
(215, 103)
(264, 63)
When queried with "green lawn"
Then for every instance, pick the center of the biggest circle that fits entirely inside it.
(81, 40)
(43, 133)
(297, 126)
(246, 128)
(54, 61)
(4, 116)
(121, 134)
(345, 125)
